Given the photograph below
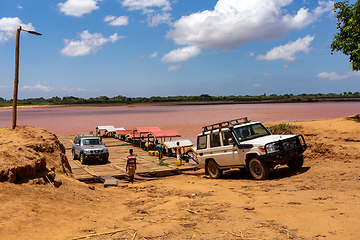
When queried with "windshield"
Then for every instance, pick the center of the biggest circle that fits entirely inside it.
(251, 132)
(91, 142)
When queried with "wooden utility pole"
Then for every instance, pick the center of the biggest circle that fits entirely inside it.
(16, 78)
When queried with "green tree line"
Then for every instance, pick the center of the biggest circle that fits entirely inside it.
(201, 99)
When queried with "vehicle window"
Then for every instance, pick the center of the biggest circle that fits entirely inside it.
(215, 140)
(201, 142)
(91, 142)
(226, 135)
(251, 132)
(259, 129)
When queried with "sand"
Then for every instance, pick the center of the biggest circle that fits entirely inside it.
(321, 201)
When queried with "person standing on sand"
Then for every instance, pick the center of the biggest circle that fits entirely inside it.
(131, 165)
(178, 152)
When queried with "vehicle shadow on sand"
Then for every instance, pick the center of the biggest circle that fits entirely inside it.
(279, 173)
(95, 162)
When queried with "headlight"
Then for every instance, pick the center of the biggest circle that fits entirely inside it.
(270, 147)
(87, 151)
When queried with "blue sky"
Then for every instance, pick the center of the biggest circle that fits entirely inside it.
(147, 48)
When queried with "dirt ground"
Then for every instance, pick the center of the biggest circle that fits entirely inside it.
(321, 201)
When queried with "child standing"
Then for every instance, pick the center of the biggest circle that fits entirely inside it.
(131, 165)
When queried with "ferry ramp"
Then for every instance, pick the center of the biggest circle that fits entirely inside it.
(147, 166)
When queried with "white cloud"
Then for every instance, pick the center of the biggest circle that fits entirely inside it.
(233, 23)
(78, 8)
(257, 85)
(173, 68)
(249, 54)
(157, 11)
(88, 43)
(181, 54)
(8, 28)
(157, 19)
(19, 6)
(147, 5)
(38, 87)
(287, 52)
(324, 7)
(267, 74)
(333, 76)
(154, 55)
(75, 90)
(117, 21)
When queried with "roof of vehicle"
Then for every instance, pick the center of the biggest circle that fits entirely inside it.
(227, 127)
(225, 124)
(81, 135)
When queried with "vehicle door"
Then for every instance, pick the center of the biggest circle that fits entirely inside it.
(214, 149)
(234, 155)
(77, 146)
(201, 149)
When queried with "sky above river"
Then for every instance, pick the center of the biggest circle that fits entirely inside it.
(144, 48)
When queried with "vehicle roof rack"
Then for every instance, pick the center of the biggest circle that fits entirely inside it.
(225, 124)
(85, 135)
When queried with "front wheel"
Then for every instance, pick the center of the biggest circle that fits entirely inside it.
(258, 169)
(296, 163)
(105, 160)
(213, 169)
(82, 159)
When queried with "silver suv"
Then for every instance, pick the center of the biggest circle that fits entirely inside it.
(247, 145)
(89, 148)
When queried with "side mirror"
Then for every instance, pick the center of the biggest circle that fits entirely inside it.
(230, 140)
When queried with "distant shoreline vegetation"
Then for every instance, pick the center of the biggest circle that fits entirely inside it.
(184, 100)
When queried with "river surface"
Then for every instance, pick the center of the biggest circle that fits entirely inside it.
(186, 119)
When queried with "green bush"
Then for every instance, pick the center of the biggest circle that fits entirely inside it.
(284, 128)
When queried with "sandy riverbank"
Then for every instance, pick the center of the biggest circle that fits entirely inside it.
(319, 202)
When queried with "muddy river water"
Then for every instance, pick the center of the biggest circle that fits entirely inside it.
(185, 119)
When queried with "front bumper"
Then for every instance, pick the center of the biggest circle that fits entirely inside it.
(96, 156)
(285, 150)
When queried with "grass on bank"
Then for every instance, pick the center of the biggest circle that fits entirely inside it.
(284, 128)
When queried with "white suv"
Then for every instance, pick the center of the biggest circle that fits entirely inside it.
(89, 148)
(242, 144)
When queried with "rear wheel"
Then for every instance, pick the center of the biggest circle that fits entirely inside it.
(258, 169)
(74, 155)
(296, 163)
(213, 169)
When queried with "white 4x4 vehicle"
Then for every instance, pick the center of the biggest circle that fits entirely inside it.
(89, 148)
(248, 145)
